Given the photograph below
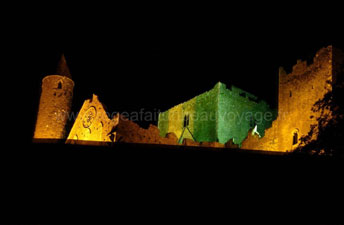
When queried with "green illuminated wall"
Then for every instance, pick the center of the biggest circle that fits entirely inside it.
(239, 111)
(219, 115)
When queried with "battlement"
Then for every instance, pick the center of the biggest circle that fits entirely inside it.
(299, 67)
(297, 93)
(244, 95)
(214, 116)
(321, 60)
(239, 92)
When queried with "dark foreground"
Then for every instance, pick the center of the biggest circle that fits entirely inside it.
(145, 184)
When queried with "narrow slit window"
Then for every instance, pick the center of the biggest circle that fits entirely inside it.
(59, 85)
(295, 138)
(186, 120)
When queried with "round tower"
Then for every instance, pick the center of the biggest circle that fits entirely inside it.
(55, 104)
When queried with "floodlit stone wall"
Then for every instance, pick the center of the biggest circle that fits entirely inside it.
(201, 112)
(93, 123)
(219, 115)
(129, 132)
(240, 111)
(298, 92)
(54, 107)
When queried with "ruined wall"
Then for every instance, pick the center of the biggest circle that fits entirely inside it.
(238, 112)
(54, 107)
(93, 123)
(129, 132)
(269, 142)
(94, 126)
(218, 115)
(298, 91)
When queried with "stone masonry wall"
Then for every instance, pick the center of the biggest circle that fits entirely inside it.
(93, 123)
(298, 91)
(202, 113)
(218, 115)
(54, 107)
(94, 126)
(129, 132)
(238, 112)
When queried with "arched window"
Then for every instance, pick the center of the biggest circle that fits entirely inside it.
(59, 85)
(295, 137)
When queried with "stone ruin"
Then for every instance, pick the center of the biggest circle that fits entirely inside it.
(94, 126)
(298, 91)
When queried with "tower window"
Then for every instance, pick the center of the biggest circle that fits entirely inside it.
(295, 138)
(59, 85)
(186, 120)
(290, 94)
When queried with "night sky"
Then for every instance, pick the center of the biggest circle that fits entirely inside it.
(154, 65)
(134, 59)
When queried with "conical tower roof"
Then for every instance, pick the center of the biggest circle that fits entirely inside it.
(62, 68)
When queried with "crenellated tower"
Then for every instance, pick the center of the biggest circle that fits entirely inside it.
(55, 104)
(298, 92)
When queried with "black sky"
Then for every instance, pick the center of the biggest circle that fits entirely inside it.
(135, 63)
(155, 59)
